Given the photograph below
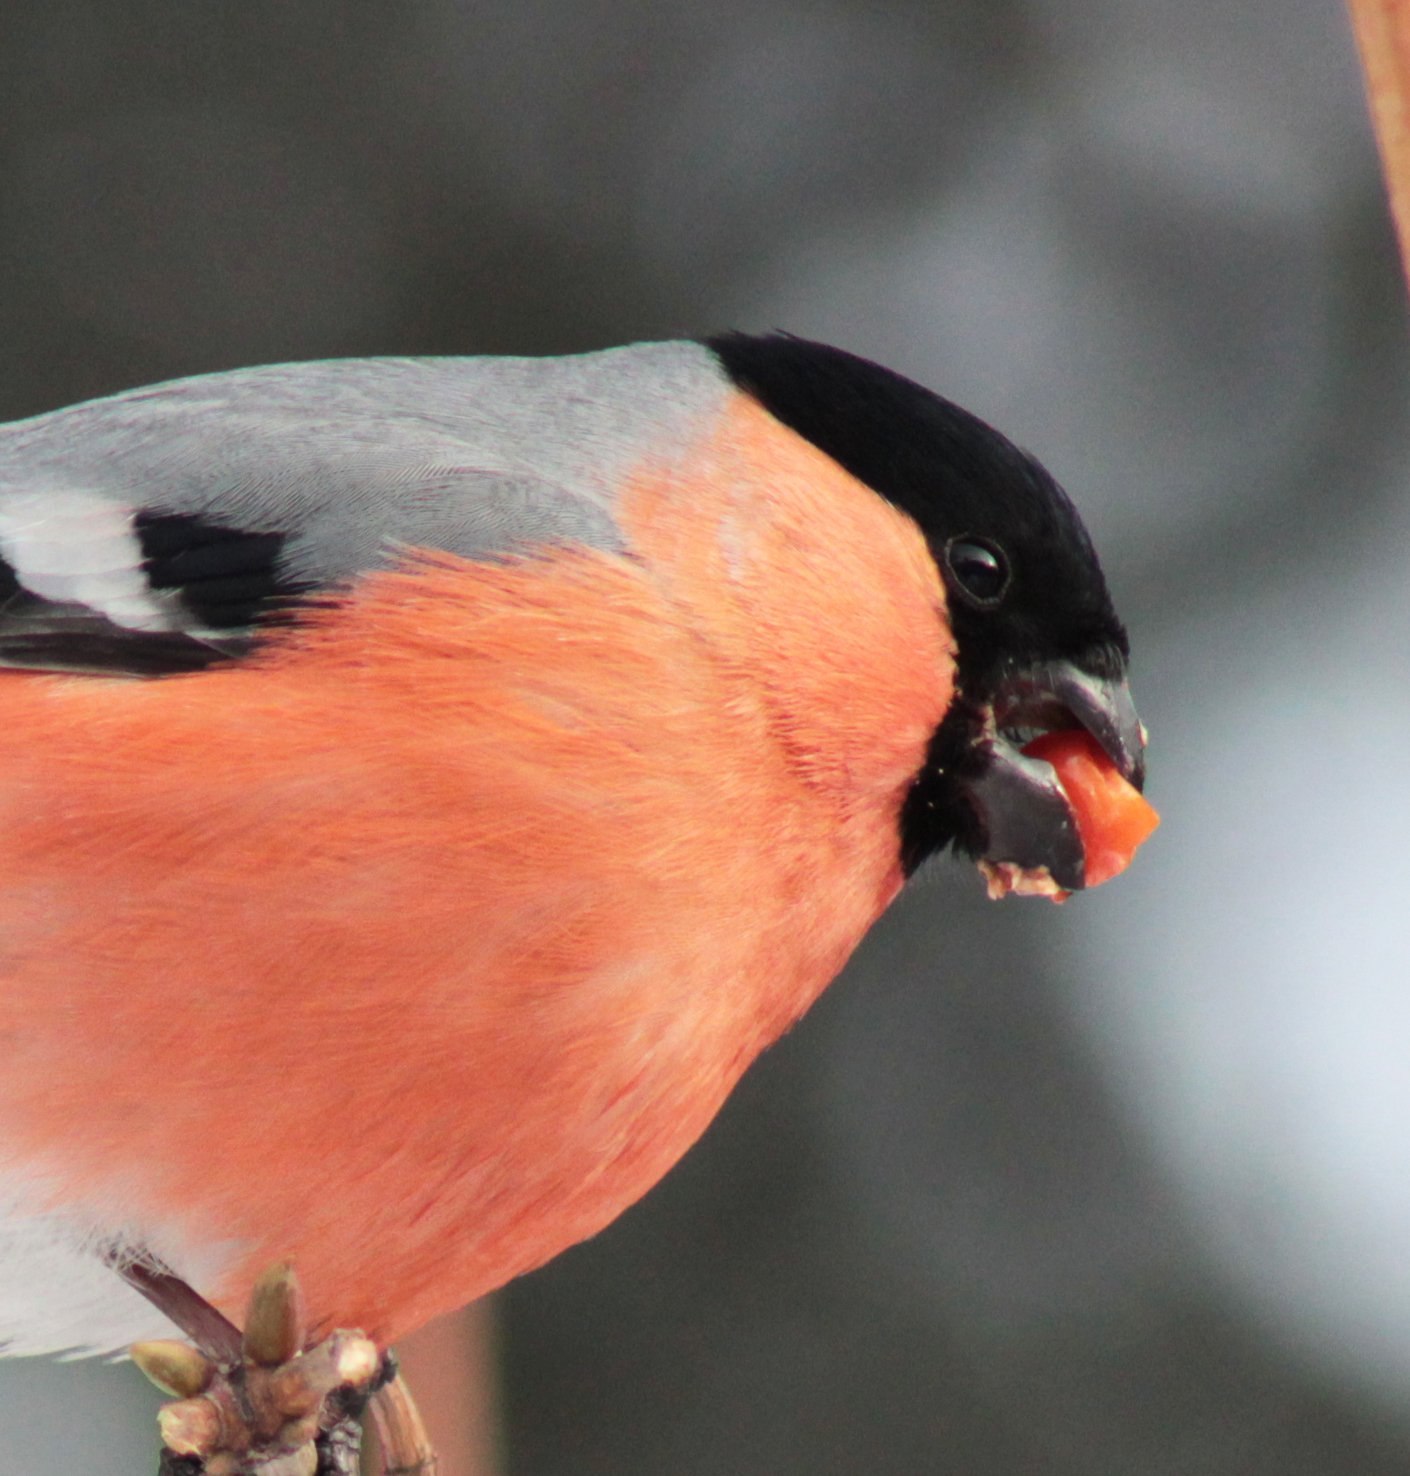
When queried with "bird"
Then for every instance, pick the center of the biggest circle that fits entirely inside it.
(431, 782)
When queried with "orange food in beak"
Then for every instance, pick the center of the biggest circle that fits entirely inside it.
(1113, 817)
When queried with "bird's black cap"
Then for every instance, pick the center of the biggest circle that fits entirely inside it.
(1023, 582)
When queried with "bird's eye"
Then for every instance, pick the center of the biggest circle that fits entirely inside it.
(979, 570)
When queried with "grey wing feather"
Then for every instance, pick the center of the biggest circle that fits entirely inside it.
(162, 524)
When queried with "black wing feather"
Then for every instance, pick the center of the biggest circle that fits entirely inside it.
(228, 586)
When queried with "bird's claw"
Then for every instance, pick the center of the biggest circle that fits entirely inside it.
(260, 1415)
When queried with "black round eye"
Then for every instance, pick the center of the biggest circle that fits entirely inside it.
(979, 569)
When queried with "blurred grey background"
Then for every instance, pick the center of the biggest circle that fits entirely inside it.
(1117, 1188)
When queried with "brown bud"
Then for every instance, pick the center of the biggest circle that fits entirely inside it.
(175, 1368)
(276, 1324)
(356, 1360)
(192, 1426)
(301, 1384)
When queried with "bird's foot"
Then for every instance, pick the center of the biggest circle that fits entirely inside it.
(277, 1408)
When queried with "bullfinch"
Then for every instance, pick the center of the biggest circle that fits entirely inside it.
(429, 783)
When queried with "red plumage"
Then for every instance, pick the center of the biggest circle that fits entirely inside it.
(421, 943)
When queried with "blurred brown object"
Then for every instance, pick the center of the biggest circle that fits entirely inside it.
(1383, 39)
(450, 1368)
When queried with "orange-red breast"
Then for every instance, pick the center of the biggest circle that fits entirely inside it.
(429, 783)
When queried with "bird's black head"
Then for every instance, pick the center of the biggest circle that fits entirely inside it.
(1038, 644)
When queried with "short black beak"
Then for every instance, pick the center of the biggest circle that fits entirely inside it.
(1025, 814)
(1102, 705)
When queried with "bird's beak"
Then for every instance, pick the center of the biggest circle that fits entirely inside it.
(1026, 816)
